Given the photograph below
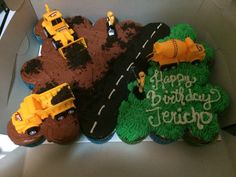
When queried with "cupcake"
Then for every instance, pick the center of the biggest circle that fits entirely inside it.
(132, 126)
(201, 135)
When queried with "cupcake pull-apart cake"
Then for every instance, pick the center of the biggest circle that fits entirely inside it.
(122, 77)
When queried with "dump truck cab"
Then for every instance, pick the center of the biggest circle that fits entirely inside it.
(54, 103)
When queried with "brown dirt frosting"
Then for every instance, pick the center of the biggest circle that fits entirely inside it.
(23, 139)
(61, 132)
(51, 69)
(101, 50)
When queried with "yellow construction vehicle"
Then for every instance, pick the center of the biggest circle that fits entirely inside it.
(54, 103)
(62, 35)
(175, 51)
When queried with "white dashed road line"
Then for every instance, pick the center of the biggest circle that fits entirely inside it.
(93, 127)
(138, 55)
(118, 81)
(152, 34)
(121, 77)
(113, 90)
(129, 66)
(159, 26)
(145, 44)
(100, 110)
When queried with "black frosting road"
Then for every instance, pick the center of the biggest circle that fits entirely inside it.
(99, 121)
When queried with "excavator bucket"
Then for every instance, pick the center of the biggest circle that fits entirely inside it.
(81, 42)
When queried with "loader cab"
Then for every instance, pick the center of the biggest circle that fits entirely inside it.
(56, 21)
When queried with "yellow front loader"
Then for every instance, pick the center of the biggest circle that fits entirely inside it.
(62, 35)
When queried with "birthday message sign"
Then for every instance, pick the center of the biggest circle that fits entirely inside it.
(177, 89)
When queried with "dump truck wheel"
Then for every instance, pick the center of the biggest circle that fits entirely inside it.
(60, 116)
(173, 66)
(56, 44)
(196, 62)
(71, 111)
(47, 34)
(164, 68)
(32, 131)
(168, 67)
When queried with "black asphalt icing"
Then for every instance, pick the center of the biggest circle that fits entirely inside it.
(100, 117)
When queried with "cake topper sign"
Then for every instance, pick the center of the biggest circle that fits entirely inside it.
(183, 94)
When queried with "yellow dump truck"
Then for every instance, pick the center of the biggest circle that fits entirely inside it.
(174, 51)
(54, 103)
(62, 35)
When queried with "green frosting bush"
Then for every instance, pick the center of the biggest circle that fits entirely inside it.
(181, 31)
(177, 101)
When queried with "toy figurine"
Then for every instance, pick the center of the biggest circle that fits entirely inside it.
(141, 81)
(139, 89)
(111, 24)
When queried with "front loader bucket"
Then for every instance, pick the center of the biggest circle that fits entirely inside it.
(78, 41)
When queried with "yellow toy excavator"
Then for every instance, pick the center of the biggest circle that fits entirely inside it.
(62, 35)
